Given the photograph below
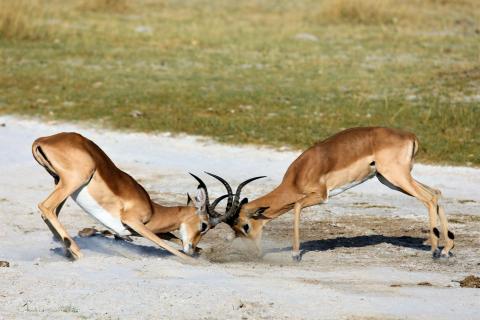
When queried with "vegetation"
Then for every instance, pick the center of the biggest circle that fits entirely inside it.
(267, 72)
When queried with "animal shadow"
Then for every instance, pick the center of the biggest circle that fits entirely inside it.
(108, 246)
(357, 242)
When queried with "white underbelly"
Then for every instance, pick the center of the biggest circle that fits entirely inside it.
(343, 188)
(83, 198)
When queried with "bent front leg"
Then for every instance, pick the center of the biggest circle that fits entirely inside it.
(308, 201)
(173, 238)
(142, 230)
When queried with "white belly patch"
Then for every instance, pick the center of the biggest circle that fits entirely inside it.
(336, 191)
(89, 205)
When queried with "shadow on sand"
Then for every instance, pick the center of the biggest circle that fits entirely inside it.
(108, 246)
(357, 242)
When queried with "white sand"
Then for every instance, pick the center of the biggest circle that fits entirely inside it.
(119, 280)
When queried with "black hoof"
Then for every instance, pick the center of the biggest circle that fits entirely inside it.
(446, 256)
(194, 254)
(191, 253)
(436, 254)
(297, 257)
(70, 255)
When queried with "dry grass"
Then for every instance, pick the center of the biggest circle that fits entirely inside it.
(386, 12)
(236, 71)
(25, 19)
(362, 11)
(116, 6)
(47, 20)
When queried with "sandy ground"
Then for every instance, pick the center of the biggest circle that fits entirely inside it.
(364, 257)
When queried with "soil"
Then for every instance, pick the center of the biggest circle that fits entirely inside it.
(365, 253)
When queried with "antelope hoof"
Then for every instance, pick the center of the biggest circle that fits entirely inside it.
(194, 253)
(87, 232)
(446, 255)
(296, 256)
(121, 238)
(72, 249)
(190, 251)
(198, 251)
(436, 254)
(73, 254)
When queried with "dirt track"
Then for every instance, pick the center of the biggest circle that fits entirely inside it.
(364, 252)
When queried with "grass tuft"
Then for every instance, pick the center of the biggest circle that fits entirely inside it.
(268, 72)
(115, 6)
(368, 12)
(25, 19)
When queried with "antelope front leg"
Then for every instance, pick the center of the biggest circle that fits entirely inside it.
(170, 237)
(142, 230)
(310, 200)
(173, 238)
(296, 256)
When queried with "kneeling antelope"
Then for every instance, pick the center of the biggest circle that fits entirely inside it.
(82, 171)
(334, 165)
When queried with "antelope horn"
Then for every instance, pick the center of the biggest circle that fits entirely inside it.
(214, 203)
(240, 187)
(235, 209)
(227, 186)
(201, 185)
(215, 217)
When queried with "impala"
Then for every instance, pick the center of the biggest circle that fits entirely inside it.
(82, 171)
(332, 166)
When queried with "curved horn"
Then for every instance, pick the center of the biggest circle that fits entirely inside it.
(234, 210)
(240, 187)
(227, 186)
(201, 185)
(214, 203)
(215, 217)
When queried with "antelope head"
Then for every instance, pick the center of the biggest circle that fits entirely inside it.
(247, 221)
(205, 217)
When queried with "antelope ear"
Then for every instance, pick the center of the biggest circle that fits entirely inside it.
(189, 200)
(259, 213)
(200, 200)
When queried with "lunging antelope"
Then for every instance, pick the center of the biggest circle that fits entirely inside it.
(81, 170)
(334, 165)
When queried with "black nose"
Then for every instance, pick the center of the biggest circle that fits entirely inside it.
(204, 227)
(246, 227)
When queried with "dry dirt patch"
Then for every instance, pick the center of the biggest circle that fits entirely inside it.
(353, 241)
(470, 282)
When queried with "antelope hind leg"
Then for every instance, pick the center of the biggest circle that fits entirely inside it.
(49, 215)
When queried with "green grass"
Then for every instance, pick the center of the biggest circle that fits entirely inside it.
(234, 70)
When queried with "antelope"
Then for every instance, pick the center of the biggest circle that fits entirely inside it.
(333, 166)
(82, 171)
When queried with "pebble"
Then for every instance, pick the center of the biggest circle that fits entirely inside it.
(4, 264)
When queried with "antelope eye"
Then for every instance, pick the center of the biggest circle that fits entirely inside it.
(204, 227)
(246, 227)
